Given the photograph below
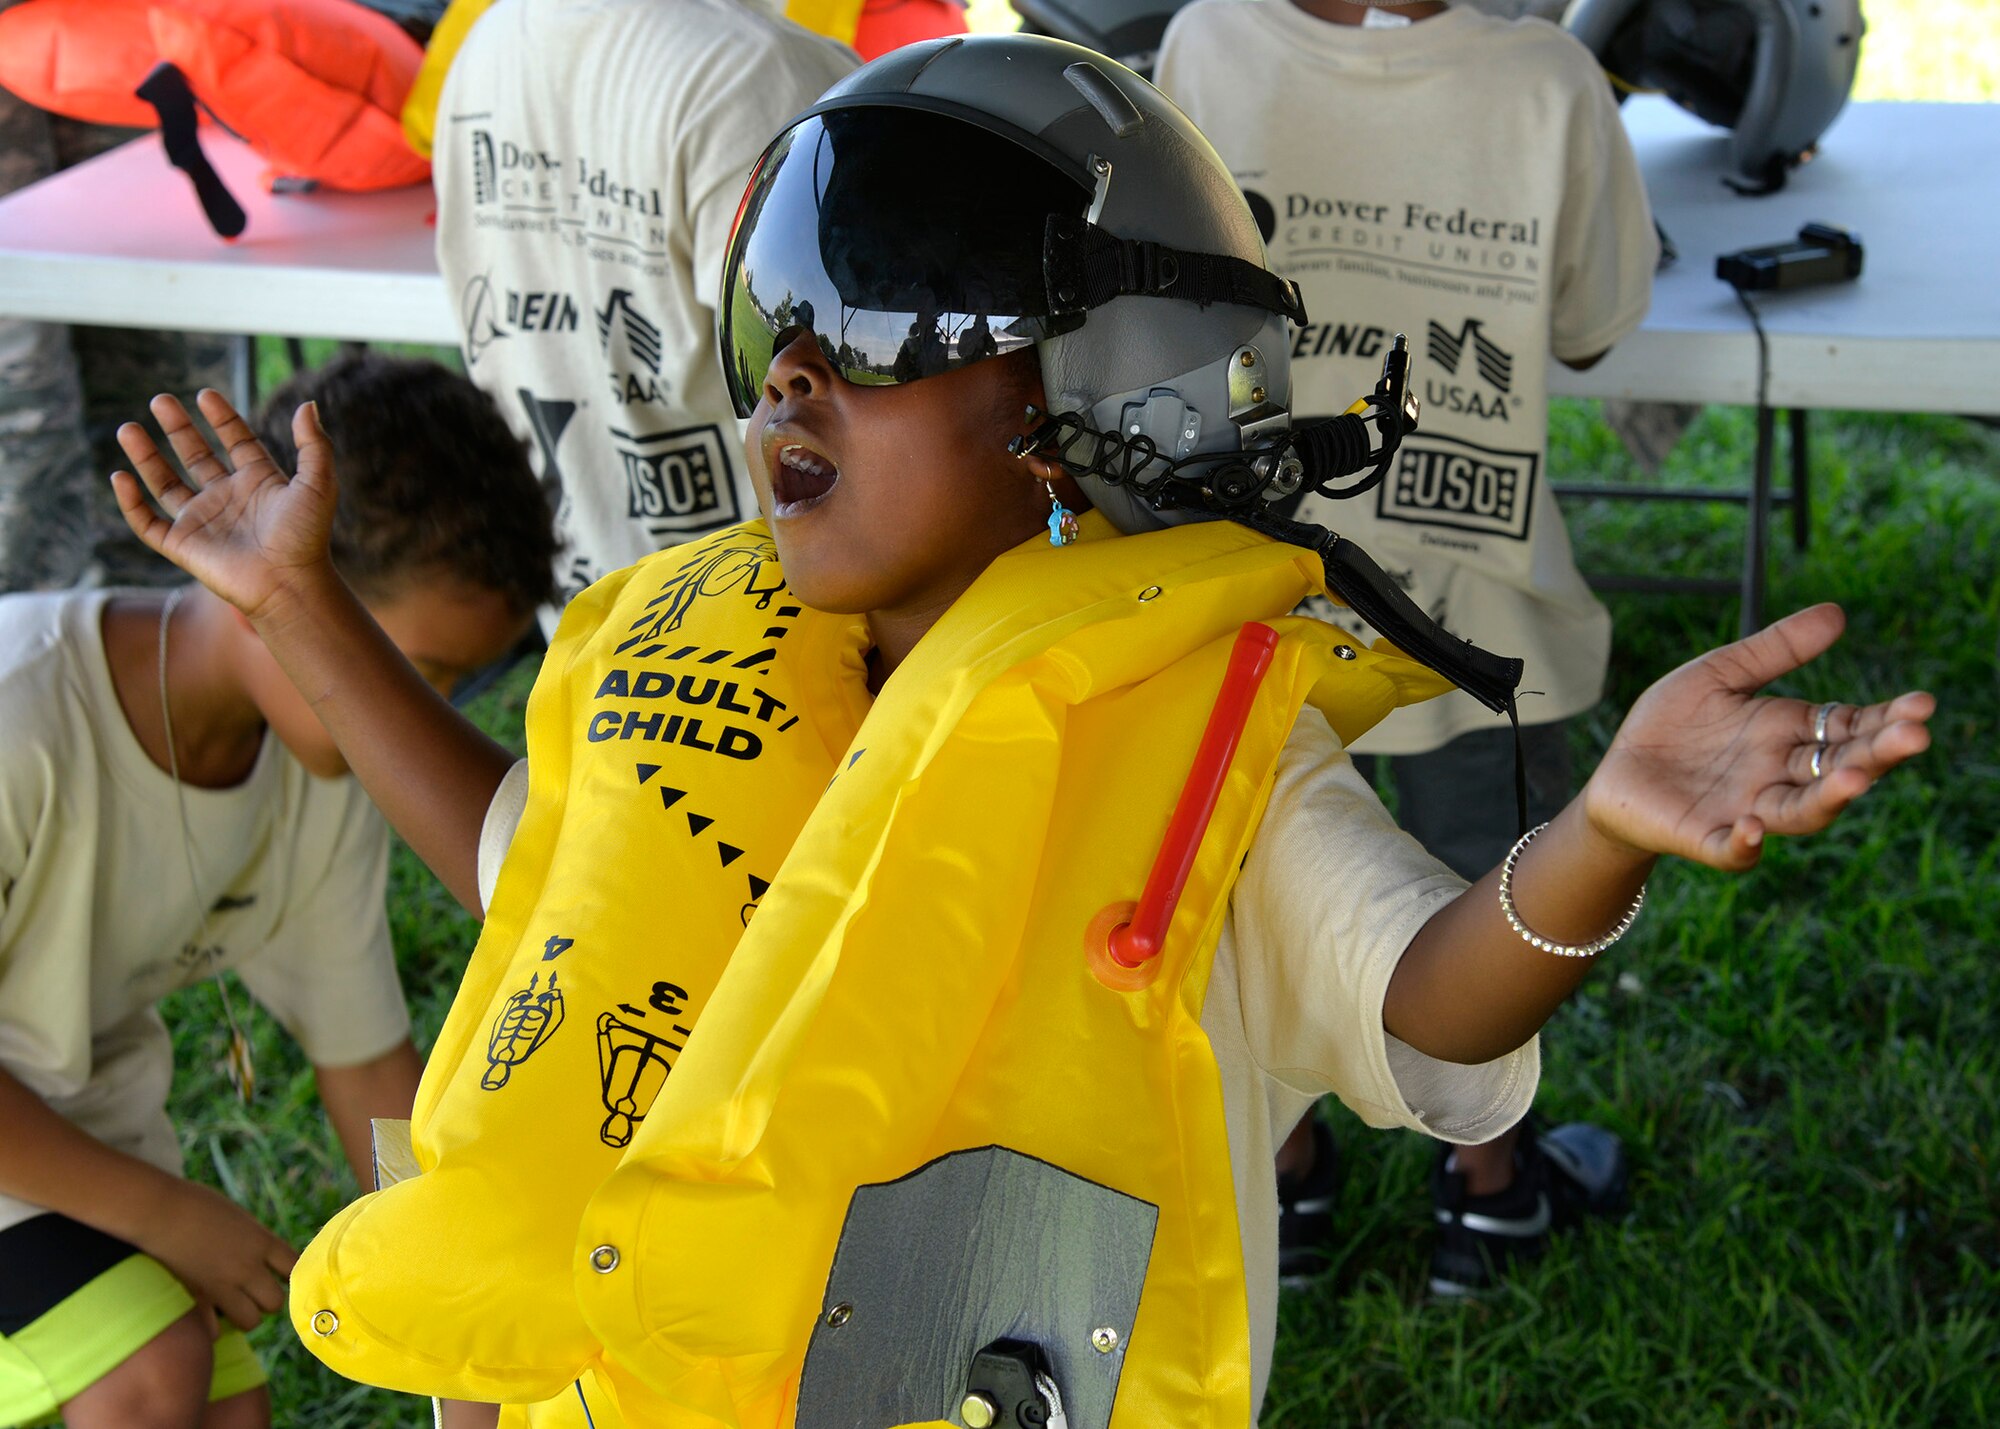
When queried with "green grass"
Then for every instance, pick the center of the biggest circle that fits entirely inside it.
(274, 365)
(1803, 1060)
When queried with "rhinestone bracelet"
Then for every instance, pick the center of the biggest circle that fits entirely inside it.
(1536, 940)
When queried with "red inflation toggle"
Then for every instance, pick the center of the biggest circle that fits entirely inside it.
(1131, 944)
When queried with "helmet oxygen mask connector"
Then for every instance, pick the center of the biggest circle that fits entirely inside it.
(1276, 461)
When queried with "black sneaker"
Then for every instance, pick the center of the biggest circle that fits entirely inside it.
(1560, 1176)
(1305, 1213)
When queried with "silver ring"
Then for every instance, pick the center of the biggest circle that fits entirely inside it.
(1819, 750)
(1820, 718)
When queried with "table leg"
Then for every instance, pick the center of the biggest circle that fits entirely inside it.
(243, 374)
(1757, 536)
(1801, 509)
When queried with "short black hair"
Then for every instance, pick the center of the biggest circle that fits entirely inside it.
(432, 482)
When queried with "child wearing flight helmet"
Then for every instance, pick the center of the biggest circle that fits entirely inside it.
(830, 823)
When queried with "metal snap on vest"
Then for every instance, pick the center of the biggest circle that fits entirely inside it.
(840, 1314)
(1345, 652)
(978, 1411)
(1104, 1339)
(325, 1322)
(604, 1259)
(1151, 592)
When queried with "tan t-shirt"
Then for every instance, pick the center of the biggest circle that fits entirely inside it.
(1465, 180)
(1330, 895)
(590, 158)
(98, 920)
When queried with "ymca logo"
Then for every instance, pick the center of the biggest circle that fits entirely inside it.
(1444, 481)
(642, 338)
(548, 418)
(1494, 362)
(677, 482)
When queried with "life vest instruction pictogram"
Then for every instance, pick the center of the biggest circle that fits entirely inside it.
(633, 1064)
(526, 1021)
(745, 562)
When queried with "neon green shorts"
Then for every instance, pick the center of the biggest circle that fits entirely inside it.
(85, 1334)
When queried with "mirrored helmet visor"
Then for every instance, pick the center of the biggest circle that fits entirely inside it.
(907, 243)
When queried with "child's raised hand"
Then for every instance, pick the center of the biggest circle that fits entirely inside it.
(1704, 767)
(246, 533)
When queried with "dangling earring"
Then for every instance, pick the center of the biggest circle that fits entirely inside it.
(1062, 520)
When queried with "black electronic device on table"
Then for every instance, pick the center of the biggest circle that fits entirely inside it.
(1820, 254)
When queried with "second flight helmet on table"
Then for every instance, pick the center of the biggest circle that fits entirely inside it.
(1774, 73)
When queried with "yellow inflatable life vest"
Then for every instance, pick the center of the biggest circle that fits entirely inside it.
(420, 108)
(759, 943)
(836, 19)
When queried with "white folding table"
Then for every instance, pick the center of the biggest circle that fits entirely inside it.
(120, 241)
(1919, 331)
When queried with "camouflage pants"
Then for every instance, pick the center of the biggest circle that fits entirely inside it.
(63, 394)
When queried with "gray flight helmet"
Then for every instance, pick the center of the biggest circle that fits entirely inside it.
(1140, 362)
(1775, 73)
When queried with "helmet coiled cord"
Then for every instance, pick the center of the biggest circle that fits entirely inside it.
(1315, 453)
(1336, 448)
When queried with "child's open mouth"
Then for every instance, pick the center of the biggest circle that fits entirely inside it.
(800, 479)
